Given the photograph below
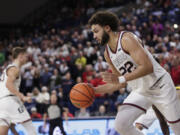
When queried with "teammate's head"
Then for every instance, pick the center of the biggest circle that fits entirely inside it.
(20, 54)
(101, 24)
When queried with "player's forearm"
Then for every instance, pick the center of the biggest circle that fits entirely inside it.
(107, 88)
(139, 72)
(13, 90)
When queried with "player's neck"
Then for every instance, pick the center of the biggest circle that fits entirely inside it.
(113, 38)
(17, 63)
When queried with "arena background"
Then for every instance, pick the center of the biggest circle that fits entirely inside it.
(62, 52)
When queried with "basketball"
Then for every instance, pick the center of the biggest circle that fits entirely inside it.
(82, 95)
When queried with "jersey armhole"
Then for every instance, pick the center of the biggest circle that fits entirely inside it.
(139, 40)
(8, 69)
(121, 43)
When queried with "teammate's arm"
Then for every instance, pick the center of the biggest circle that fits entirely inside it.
(12, 74)
(108, 87)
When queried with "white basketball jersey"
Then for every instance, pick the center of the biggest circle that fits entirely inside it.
(124, 64)
(4, 91)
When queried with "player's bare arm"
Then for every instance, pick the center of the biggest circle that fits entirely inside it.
(133, 46)
(13, 74)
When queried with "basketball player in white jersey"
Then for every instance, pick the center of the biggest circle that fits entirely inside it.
(131, 63)
(12, 110)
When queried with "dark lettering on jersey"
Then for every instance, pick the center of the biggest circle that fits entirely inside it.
(21, 109)
(127, 67)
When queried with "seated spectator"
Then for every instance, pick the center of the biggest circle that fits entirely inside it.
(69, 115)
(36, 94)
(55, 79)
(100, 65)
(35, 114)
(63, 68)
(45, 76)
(45, 95)
(88, 71)
(101, 111)
(81, 59)
(31, 103)
(122, 95)
(82, 113)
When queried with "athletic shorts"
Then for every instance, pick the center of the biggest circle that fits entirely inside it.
(12, 110)
(164, 97)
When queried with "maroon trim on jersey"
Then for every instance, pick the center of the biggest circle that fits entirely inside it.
(142, 125)
(139, 107)
(121, 43)
(108, 53)
(173, 122)
(116, 45)
(24, 121)
(5, 121)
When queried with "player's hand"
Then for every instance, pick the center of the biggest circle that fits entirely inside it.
(28, 99)
(139, 126)
(109, 77)
(21, 96)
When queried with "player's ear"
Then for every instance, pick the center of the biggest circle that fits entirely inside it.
(107, 28)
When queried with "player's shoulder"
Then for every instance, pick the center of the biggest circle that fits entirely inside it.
(127, 35)
(13, 69)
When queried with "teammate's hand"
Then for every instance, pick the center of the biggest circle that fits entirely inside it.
(27, 99)
(109, 77)
(21, 96)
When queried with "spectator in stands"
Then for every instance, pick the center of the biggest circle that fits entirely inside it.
(55, 79)
(35, 114)
(69, 115)
(63, 68)
(82, 113)
(28, 80)
(67, 84)
(36, 78)
(101, 111)
(100, 65)
(122, 95)
(81, 59)
(88, 71)
(45, 76)
(45, 95)
(31, 103)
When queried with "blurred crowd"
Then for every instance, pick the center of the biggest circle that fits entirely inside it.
(61, 57)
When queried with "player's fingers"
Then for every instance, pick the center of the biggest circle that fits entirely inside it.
(108, 80)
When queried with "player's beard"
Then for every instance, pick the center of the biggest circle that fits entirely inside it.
(105, 38)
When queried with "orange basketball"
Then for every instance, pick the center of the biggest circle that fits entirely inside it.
(82, 95)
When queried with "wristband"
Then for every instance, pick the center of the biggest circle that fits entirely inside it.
(122, 79)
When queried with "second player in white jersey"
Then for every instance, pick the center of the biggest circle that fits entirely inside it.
(12, 110)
